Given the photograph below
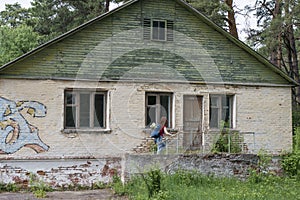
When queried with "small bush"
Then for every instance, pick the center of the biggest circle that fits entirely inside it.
(38, 187)
(296, 140)
(118, 186)
(39, 193)
(153, 180)
(228, 142)
(161, 195)
(291, 164)
(9, 187)
(99, 185)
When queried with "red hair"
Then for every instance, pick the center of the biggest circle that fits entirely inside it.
(163, 121)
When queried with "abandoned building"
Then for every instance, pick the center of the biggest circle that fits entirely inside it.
(93, 91)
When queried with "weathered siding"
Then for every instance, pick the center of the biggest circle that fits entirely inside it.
(89, 52)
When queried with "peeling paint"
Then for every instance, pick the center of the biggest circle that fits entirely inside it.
(64, 173)
(16, 132)
(60, 173)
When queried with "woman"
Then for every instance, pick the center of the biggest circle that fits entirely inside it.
(163, 131)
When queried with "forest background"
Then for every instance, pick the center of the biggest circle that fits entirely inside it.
(271, 27)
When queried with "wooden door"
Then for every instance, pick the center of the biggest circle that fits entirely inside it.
(192, 122)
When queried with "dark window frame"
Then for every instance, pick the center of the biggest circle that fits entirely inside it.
(150, 30)
(76, 114)
(221, 108)
(159, 30)
(157, 107)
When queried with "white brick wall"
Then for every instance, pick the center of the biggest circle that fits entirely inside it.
(266, 111)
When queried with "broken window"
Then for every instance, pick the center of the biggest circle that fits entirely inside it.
(85, 109)
(157, 106)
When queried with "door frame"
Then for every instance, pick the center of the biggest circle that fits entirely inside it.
(201, 124)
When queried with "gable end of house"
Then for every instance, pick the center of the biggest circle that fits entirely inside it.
(118, 46)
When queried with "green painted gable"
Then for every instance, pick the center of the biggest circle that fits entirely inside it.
(112, 47)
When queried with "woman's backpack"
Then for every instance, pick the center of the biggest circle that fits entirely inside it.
(155, 132)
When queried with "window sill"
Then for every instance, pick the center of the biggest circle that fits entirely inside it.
(170, 130)
(216, 130)
(86, 131)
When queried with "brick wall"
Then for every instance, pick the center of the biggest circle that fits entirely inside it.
(264, 111)
(223, 165)
(60, 172)
(64, 173)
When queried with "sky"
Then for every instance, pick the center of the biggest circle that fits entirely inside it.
(242, 22)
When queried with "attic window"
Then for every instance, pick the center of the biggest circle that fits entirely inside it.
(158, 30)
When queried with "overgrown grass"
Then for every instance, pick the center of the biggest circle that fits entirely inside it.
(10, 187)
(291, 161)
(40, 188)
(182, 185)
(192, 185)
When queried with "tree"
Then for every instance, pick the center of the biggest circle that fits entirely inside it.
(51, 18)
(14, 15)
(15, 41)
(213, 9)
(231, 19)
(24, 29)
(55, 17)
(16, 35)
(216, 11)
(278, 20)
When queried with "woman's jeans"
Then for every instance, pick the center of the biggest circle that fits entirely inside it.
(160, 144)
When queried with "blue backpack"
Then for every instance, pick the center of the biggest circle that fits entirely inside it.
(155, 132)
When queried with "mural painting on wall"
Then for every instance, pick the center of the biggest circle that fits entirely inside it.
(15, 131)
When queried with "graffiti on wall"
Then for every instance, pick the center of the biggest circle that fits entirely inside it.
(15, 131)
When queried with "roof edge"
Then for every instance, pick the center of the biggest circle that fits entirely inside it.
(64, 35)
(246, 84)
(239, 43)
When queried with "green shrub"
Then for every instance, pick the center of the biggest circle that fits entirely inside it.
(153, 147)
(296, 116)
(153, 180)
(291, 161)
(228, 141)
(39, 193)
(181, 177)
(161, 195)
(118, 186)
(38, 187)
(9, 187)
(296, 140)
(99, 185)
(291, 164)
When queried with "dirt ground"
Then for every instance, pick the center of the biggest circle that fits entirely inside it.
(105, 194)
